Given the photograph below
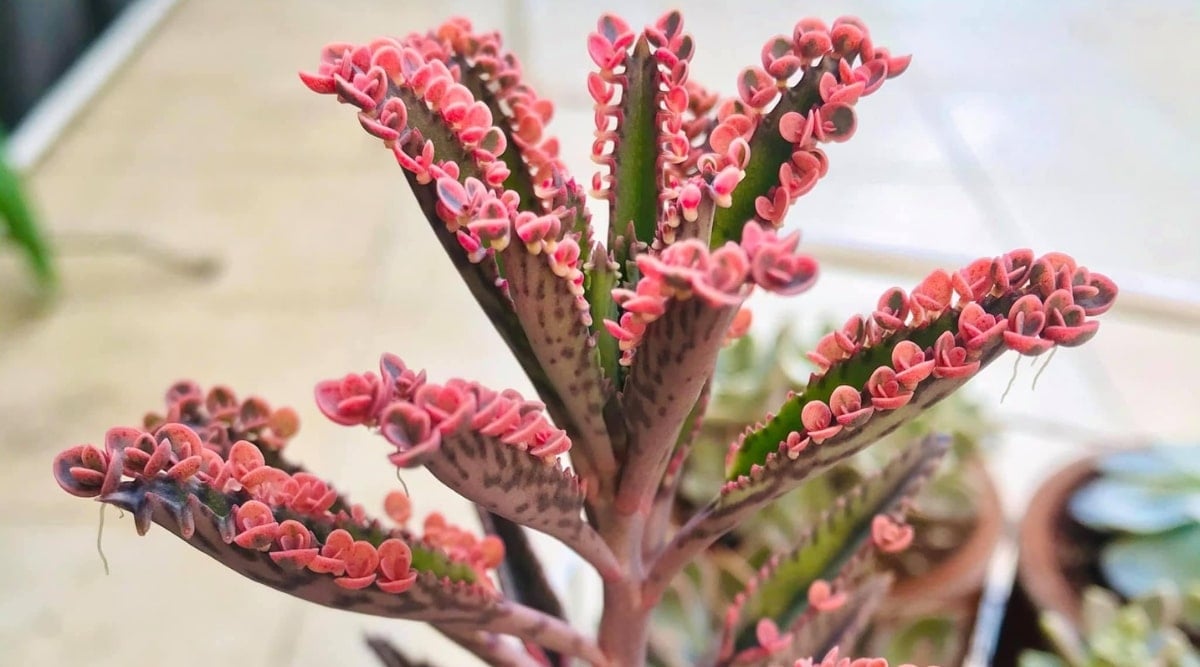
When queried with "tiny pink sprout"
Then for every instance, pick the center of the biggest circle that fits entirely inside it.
(770, 639)
(395, 562)
(818, 421)
(257, 527)
(911, 364)
(889, 535)
(1026, 319)
(952, 360)
(823, 598)
(361, 561)
(350, 401)
(887, 393)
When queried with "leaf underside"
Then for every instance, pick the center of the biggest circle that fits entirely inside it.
(432, 598)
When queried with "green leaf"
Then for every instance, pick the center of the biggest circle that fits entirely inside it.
(635, 176)
(19, 224)
(599, 281)
(202, 517)
(855, 372)
(1107, 504)
(1164, 464)
(520, 487)
(768, 152)
(1040, 659)
(1134, 566)
(841, 536)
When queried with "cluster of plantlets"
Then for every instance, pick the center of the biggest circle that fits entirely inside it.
(620, 340)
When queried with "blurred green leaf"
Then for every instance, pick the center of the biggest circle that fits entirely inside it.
(1135, 566)
(17, 221)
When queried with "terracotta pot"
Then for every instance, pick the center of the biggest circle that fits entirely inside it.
(1057, 560)
(954, 586)
(1042, 572)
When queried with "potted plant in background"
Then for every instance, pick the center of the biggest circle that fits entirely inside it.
(619, 339)
(1143, 632)
(930, 610)
(1128, 521)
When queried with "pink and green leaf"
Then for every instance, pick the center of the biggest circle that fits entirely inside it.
(841, 537)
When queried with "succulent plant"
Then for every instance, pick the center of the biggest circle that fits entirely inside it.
(18, 225)
(619, 340)
(1142, 633)
(1147, 502)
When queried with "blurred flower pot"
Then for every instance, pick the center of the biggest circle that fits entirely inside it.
(930, 612)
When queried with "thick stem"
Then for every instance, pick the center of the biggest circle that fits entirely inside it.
(624, 624)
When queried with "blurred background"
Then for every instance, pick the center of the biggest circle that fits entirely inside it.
(213, 219)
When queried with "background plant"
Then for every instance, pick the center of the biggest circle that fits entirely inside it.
(18, 224)
(620, 341)
(1146, 502)
(1142, 632)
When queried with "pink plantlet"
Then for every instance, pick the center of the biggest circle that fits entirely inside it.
(355, 399)
(257, 527)
(822, 597)
(818, 420)
(887, 393)
(952, 360)
(889, 535)
(847, 407)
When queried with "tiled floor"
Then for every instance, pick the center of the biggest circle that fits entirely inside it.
(1069, 127)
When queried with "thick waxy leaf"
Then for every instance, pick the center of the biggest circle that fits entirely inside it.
(521, 576)
(481, 279)
(781, 160)
(670, 368)
(440, 591)
(781, 474)
(635, 154)
(881, 371)
(432, 142)
(768, 152)
(204, 518)
(842, 536)
(601, 278)
(548, 301)
(503, 479)
(855, 371)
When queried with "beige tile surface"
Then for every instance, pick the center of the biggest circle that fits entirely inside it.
(1018, 124)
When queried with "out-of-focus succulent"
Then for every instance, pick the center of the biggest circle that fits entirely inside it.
(1143, 633)
(18, 224)
(619, 340)
(1147, 501)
